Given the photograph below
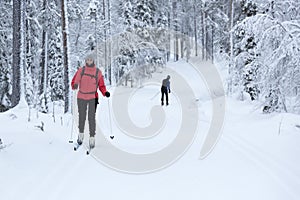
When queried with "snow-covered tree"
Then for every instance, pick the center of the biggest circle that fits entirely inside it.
(65, 63)
(51, 56)
(16, 64)
(281, 48)
(55, 68)
(144, 38)
(266, 56)
(75, 17)
(5, 54)
(32, 53)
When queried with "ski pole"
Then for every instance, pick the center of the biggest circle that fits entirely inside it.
(111, 136)
(155, 95)
(73, 112)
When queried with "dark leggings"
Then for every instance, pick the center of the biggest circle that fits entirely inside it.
(82, 109)
(164, 91)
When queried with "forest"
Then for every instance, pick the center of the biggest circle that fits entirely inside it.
(43, 42)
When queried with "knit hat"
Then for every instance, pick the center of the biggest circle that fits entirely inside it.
(90, 56)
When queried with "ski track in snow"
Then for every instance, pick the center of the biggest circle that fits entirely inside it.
(275, 169)
(62, 170)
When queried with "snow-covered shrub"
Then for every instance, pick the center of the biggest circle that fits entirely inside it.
(267, 55)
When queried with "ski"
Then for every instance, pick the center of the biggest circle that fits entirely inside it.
(76, 147)
(3, 146)
(89, 151)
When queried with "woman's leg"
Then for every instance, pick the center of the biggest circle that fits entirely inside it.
(162, 95)
(82, 106)
(92, 116)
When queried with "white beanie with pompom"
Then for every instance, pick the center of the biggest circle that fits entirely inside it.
(90, 56)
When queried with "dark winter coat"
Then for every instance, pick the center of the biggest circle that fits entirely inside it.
(166, 84)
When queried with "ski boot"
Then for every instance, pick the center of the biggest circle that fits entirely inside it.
(80, 138)
(92, 142)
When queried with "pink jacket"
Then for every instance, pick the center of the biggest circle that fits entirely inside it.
(87, 83)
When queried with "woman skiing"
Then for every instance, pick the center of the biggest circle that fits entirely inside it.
(88, 79)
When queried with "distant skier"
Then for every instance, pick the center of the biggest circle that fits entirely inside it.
(165, 89)
(88, 79)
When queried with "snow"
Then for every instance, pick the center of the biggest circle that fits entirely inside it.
(256, 157)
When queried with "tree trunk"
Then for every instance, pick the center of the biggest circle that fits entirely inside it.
(65, 55)
(203, 34)
(206, 38)
(195, 29)
(43, 55)
(176, 49)
(22, 50)
(231, 14)
(109, 44)
(16, 68)
(182, 37)
(212, 42)
(169, 36)
(105, 35)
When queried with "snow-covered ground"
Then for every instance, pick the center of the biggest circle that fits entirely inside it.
(256, 157)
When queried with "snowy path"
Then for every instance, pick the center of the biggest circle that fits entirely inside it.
(215, 86)
(250, 161)
(275, 155)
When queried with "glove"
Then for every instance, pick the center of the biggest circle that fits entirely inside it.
(75, 86)
(107, 94)
(169, 91)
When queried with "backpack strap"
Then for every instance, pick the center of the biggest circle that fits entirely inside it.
(82, 71)
(97, 74)
(81, 74)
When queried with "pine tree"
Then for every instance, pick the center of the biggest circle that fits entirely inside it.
(44, 21)
(51, 56)
(16, 64)
(5, 54)
(55, 68)
(75, 19)
(266, 61)
(32, 54)
(244, 52)
(65, 63)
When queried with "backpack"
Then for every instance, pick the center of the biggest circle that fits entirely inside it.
(92, 76)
